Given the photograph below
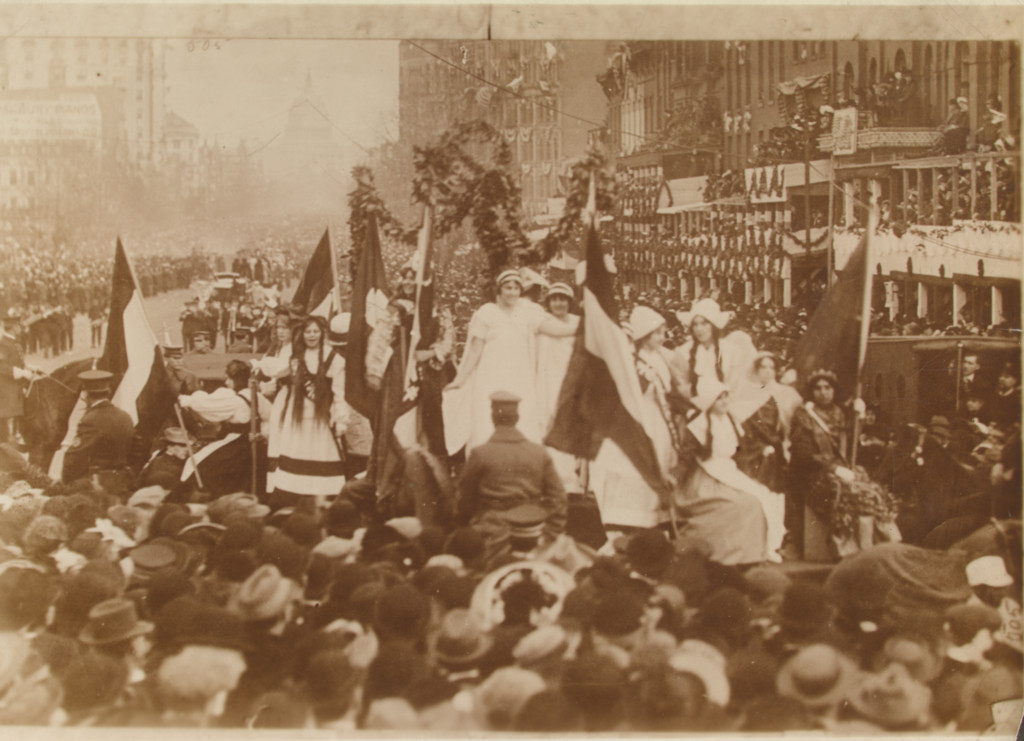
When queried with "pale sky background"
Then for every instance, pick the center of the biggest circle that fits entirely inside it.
(244, 89)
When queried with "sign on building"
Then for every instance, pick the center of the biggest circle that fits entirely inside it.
(844, 131)
(65, 117)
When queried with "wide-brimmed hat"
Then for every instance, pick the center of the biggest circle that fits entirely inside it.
(892, 698)
(643, 320)
(706, 663)
(112, 621)
(337, 333)
(222, 508)
(707, 308)
(818, 675)
(460, 640)
(708, 391)
(159, 555)
(264, 595)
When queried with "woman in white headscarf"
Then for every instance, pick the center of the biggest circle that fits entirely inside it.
(741, 519)
(624, 497)
(710, 352)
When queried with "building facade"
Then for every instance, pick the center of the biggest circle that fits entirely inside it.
(808, 132)
(466, 80)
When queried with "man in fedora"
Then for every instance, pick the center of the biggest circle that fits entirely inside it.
(509, 470)
(103, 439)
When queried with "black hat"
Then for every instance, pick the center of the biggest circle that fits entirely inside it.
(200, 333)
(95, 380)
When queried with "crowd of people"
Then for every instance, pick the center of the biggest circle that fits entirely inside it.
(300, 555)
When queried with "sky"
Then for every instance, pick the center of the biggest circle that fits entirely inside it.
(244, 88)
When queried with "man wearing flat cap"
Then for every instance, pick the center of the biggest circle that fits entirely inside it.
(104, 436)
(509, 470)
(183, 381)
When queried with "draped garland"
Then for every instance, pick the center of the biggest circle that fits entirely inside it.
(461, 187)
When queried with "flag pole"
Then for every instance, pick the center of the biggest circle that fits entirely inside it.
(188, 446)
(335, 274)
(865, 316)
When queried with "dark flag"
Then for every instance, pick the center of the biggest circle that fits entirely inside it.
(316, 289)
(410, 413)
(222, 465)
(369, 305)
(832, 337)
(142, 387)
(600, 396)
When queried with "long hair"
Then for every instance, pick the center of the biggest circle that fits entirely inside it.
(310, 383)
(704, 452)
(693, 357)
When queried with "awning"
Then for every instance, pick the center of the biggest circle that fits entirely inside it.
(681, 192)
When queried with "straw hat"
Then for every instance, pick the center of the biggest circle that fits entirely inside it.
(818, 676)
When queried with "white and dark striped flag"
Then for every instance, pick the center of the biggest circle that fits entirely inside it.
(600, 395)
(132, 353)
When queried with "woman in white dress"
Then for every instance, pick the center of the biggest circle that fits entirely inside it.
(500, 355)
(741, 519)
(553, 354)
(309, 420)
(623, 496)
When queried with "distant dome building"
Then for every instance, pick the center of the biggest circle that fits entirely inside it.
(306, 160)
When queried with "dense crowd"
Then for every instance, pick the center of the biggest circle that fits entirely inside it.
(490, 583)
(152, 612)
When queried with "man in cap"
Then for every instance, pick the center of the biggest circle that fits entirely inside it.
(183, 381)
(104, 436)
(164, 468)
(509, 470)
(13, 373)
(191, 321)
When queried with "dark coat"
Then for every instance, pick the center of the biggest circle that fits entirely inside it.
(102, 442)
(509, 470)
(164, 470)
(12, 403)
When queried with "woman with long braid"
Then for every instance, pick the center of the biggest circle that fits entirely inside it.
(710, 353)
(310, 417)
